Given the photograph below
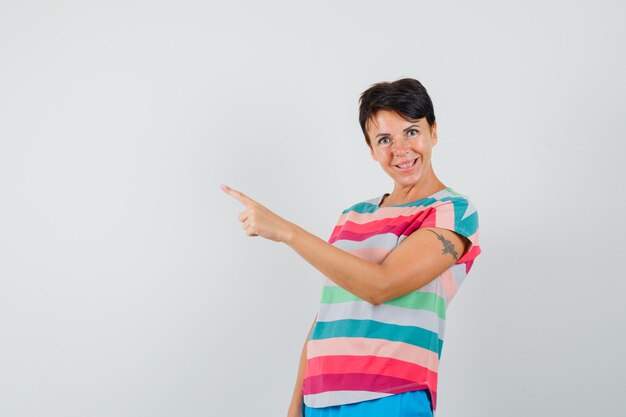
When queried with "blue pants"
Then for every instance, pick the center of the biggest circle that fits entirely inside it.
(408, 404)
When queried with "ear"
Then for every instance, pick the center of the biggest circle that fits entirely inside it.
(374, 157)
(433, 132)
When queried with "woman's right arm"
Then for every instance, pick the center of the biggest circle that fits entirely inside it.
(295, 408)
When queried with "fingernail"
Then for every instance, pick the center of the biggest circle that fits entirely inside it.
(222, 186)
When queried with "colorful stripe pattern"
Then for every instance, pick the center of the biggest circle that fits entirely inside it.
(358, 351)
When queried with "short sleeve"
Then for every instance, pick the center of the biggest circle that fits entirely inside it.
(459, 215)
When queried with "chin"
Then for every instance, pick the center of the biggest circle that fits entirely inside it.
(407, 183)
(413, 179)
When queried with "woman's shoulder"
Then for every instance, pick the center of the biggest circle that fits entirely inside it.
(365, 206)
(456, 197)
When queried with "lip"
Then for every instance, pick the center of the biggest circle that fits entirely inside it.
(406, 162)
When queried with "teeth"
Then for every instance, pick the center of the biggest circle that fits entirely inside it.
(410, 164)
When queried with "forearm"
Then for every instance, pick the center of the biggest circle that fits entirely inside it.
(356, 275)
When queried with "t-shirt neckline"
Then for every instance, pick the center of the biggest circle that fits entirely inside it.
(380, 199)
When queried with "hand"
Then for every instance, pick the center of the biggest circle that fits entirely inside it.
(258, 220)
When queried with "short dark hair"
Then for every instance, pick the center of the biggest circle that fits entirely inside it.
(407, 97)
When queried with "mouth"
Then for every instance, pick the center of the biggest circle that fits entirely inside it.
(407, 165)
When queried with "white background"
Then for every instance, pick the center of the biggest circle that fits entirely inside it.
(127, 287)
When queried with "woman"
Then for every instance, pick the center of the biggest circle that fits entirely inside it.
(393, 264)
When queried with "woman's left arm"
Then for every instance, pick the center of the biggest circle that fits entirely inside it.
(422, 256)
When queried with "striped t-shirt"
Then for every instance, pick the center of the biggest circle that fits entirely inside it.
(358, 351)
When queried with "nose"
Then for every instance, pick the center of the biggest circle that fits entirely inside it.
(401, 147)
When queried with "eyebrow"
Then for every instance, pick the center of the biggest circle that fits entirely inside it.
(404, 130)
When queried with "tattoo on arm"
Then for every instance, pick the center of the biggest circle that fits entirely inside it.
(448, 247)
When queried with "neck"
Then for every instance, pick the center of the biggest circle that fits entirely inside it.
(402, 194)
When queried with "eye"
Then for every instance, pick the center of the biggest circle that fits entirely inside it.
(384, 141)
(412, 132)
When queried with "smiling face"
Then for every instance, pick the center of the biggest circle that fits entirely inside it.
(403, 148)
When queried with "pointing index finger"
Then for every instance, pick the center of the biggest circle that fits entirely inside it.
(237, 195)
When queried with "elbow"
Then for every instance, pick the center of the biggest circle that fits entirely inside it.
(381, 291)
(379, 295)
(377, 299)
(374, 301)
